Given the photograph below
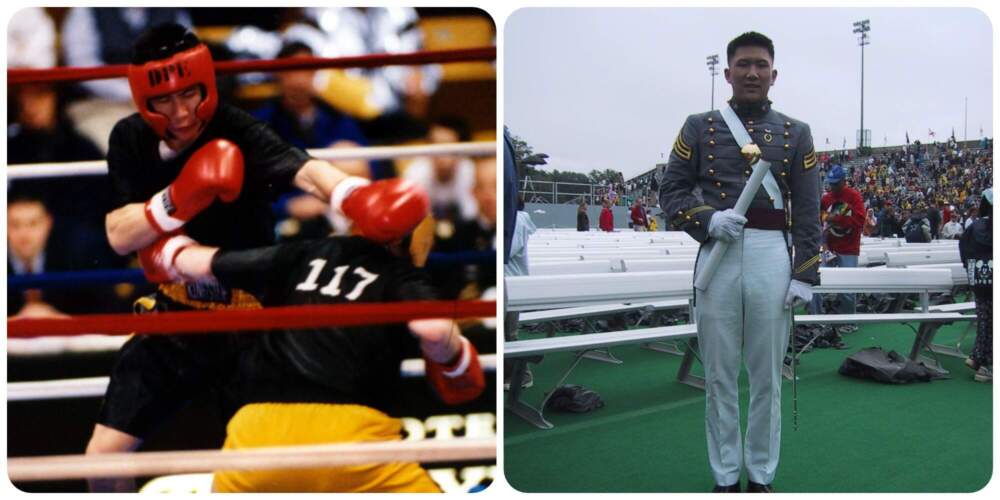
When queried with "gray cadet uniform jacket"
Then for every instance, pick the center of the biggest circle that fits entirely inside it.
(706, 173)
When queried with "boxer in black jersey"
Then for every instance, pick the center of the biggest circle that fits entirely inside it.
(296, 384)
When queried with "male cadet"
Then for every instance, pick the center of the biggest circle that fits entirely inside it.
(745, 308)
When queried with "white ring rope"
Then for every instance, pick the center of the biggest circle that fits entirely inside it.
(290, 457)
(100, 167)
(97, 386)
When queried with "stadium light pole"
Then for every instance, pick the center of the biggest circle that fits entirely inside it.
(712, 61)
(862, 28)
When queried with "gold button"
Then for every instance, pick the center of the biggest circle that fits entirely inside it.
(784, 174)
(788, 124)
(771, 200)
(711, 143)
(680, 212)
(787, 134)
(722, 195)
(687, 217)
(749, 122)
(785, 161)
(711, 130)
(710, 119)
(711, 171)
(697, 223)
(711, 157)
(718, 184)
(746, 172)
(787, 146)
(750, 131)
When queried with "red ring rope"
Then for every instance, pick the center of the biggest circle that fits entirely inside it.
(77, 74)
(257, 319)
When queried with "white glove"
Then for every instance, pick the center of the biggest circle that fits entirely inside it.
(798, 293)
(726, 225)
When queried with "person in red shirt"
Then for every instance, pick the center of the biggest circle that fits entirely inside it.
(843, 213)
(607, 222)
(639, 222)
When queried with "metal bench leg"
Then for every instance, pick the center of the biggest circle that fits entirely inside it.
(947, 350)
(684, 375)
(925, 333)
(664, 346)
(534, 416)
(602, 355)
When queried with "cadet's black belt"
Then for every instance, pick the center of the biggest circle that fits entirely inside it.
(765, 218)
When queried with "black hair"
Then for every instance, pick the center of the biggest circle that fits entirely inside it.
(459, 125)
(162, 41)
(294, 47)
(985, 207)
(749, 39)
(26, 195)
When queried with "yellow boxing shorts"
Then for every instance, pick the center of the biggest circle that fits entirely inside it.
(291, 424)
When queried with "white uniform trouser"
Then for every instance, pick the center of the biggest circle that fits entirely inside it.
(742, 312)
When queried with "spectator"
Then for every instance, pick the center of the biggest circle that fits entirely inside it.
(29, 226)
(607, 222)
(638, 215)
(976, 251)
(844, 217)
(888, 224)
(934, 217)
(523, 229)
(917, 228)
(870, 222)
(103, 36)
(448, 179)
(582, 220)
(652, 223)
(953, 229)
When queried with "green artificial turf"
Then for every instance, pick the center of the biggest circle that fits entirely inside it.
(854, 435)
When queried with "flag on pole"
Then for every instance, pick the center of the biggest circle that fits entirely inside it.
(845, 143)
(828, 139)
(930, 133)
(907, 136)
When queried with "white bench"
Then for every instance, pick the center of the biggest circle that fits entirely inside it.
(524, 351)
(531, 293)
(904, 258)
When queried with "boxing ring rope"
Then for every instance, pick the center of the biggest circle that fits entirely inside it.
(90, 387)
(287, 457)
(79, 74)
(98, 277)
(272, 318)
(100, 167)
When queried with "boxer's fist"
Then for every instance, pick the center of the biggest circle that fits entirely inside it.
(382, 211)
(157, 260)
(461, 380)
(214, 171)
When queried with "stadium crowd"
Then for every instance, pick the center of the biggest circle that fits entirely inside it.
(57, 224)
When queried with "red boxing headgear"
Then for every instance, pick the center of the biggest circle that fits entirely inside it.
(173, 74)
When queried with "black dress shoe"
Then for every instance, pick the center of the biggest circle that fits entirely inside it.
(753, 487)
(733, 488)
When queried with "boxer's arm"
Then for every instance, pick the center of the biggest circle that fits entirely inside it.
(194, 263)
(128, 229)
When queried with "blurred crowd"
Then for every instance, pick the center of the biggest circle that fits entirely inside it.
(57, 224)
(938, 182)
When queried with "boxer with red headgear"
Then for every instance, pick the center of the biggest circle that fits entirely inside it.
(187, 161)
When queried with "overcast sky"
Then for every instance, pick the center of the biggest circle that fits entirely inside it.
(609, 88)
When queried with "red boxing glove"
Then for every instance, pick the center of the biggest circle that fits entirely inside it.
(382, 211)
(214, 171)
(157, 260)
(460, 381)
